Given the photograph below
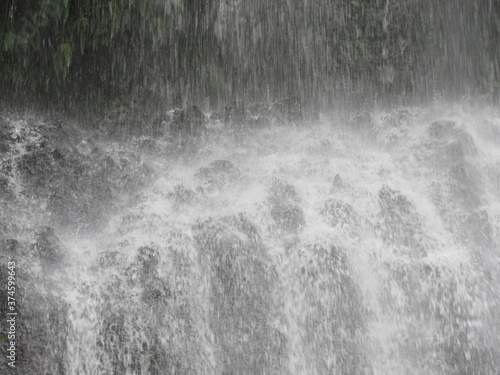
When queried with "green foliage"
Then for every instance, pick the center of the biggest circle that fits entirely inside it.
(49, 46)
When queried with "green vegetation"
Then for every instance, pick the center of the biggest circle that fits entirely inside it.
(212, 52)
(82, 49)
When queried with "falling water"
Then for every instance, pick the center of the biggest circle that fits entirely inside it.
(348, 246)
(332, 208)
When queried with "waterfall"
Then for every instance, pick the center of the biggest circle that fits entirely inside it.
(361, 244)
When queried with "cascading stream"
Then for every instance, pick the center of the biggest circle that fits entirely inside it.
(368, 246)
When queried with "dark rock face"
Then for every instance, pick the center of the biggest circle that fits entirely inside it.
(41, 325)
(5, 138)
(242, 296)
(235, 114)
(334, 322)
(187, 123)
(43, 331)
(400, 225)
(6, 192)
(285, 211)
(141, 315)
(218, 174)
(76, 181)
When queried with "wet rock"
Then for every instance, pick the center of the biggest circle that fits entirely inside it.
(338, 183)
(324, 287)
(282, 193)
(143, 315)
(47, 245)
(401, 226)
(187, 123)
(441, 129)
(147, 259)
(37, 169)
(362, 122)
(398, 118)
(448, 131)
(218, 174)
(145, 266)
(242, 295)
(443, 305)
(289, 110)
(6, 192)
(288, 217)
(5, 138)
(285, 211)
(338, 213)
(108, 259)
(41, 324)
(9, 245)
(181, 195)
(148, 353)
(235, 114)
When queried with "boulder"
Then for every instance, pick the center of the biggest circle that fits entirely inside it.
(218, 174)
(288, 217)
(285, 210)
(400, 224)
(338, 213)
(282, 193)
(144, 270)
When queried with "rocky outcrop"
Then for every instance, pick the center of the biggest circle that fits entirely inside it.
(400, 225)
(242, 282)
(218, 174)
(285, 212)
(324, 288)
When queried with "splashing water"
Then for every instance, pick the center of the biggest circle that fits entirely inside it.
(362, 246)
